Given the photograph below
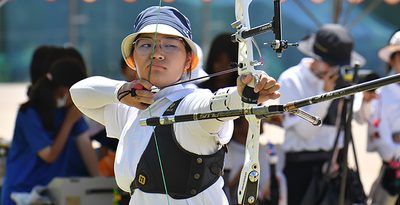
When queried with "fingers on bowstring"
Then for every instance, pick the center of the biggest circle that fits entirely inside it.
(145, 100)
(143, 96)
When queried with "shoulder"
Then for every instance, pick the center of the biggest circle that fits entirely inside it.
(198, 94)
(390, 94)
(27, 114)
(290, 74)
(195, 101)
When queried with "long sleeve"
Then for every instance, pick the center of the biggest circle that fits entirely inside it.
(96, 97)
(218, 128)
(361, 109)
(292, 90)
(299, 82)
(385, 144)
(385, 122)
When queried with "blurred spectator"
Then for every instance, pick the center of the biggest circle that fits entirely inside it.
(362, 100)
(223, 52)
(222, 55)
(307, 147)
(81, 160)
(45, 126)
(384, 129)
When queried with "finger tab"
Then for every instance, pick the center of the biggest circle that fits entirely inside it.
(138, 86)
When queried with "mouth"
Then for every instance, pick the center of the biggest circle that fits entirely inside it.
(156, 67)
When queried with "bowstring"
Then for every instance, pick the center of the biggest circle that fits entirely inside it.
(150, 113)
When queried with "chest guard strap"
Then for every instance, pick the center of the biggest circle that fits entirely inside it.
(186, 173)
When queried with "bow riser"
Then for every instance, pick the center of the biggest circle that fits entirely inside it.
(249, 177)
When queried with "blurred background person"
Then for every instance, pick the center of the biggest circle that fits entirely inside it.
(45, 126)
(223, 52)
(44, 56)
(362, 100)
(307, 147)
(82, 158)
(384, 129)
(223, 55)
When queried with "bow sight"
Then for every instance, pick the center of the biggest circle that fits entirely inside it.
(278, 45)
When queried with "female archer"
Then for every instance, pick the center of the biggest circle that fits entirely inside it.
(177, 164)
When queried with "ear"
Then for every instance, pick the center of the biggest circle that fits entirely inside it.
(189, 62)
(130, 62)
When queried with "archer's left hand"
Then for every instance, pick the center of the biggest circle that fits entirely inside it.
(267, 87)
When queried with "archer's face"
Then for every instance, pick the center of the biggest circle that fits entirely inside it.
(170, 59)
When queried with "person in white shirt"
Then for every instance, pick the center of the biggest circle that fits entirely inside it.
(175, 164)
(362, 101)
(384, 130)
(306, 146)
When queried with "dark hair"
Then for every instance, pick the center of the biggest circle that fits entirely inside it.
(72, 52)
(368, 75)
(42, 58)
(63, 73)
(221, 45)
(123, 64)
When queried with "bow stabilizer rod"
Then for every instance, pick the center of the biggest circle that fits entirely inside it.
(271, 110)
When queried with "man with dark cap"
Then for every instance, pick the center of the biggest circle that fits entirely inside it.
(306, 146)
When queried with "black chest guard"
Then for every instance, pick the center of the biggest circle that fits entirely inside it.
(186, 173)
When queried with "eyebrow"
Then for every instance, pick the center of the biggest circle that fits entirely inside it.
(151, 36)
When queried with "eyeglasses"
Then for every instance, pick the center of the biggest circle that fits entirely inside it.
(168, 45)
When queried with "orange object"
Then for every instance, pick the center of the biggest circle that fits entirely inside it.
(106, 165)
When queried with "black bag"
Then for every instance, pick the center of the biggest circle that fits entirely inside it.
(391, 178)
(325, 190)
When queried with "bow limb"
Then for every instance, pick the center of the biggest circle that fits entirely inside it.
(249, 177)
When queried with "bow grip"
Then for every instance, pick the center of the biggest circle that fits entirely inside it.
(248, 95)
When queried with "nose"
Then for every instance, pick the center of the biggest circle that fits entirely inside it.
(158, 53)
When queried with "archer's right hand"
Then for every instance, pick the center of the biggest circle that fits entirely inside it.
(136, 94)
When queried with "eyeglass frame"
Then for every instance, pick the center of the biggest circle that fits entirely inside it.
(188, 49)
